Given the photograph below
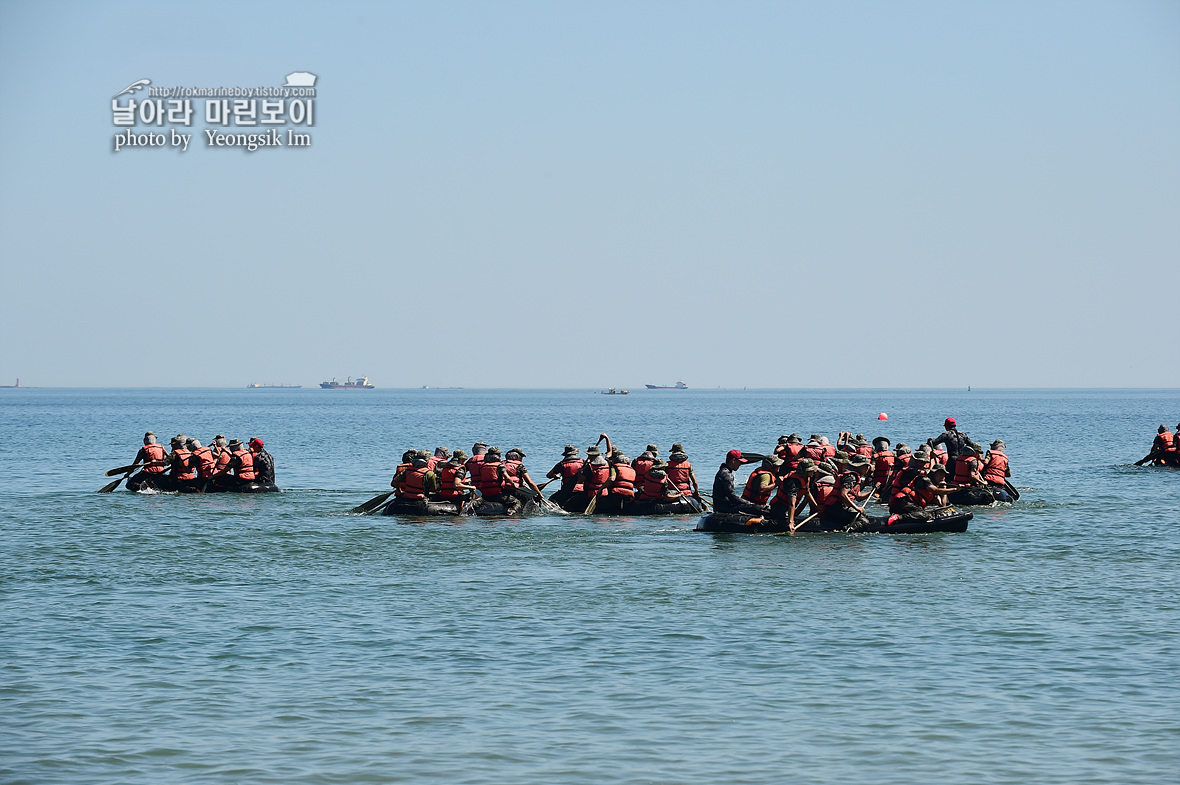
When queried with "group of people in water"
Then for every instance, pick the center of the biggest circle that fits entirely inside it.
(833, 481)
(1165, 448)
(190, 467)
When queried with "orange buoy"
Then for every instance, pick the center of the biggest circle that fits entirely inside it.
(882, 416)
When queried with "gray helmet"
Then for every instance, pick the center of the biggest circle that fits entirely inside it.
(149, 438)
(998, 444)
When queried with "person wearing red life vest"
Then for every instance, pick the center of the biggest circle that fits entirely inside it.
(441, 455)
(838, 507)
(793, 494)
(181, 471)
(523, 486)
(1163, 445)
(762, 482)
(789, 451)
(655, 485)
(883, 460)
(202, 459)
(1172, 454)
(643, 464)
(966, 467)
(622, 486)
(478, 450)
(451, 479)
(925, 489)
(418, 481)
(568, 469)
(241, 463)
(996, 470)
(407, 461)
(495, 484)
(154, 460)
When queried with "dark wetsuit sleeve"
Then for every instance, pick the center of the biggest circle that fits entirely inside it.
(725, 497)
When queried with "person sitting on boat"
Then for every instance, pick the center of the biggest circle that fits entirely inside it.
(838, 507)
(725, 495)
(418, 481)
(793, 494)
(828, 447)
(883, 461)
(568, 469)
(221, 450)
(203, 459)
(814, 449)
(407, 461)
(655, 485)
(152, 455)
(623, 481)
(1163, 444)
(493, 482)
(911, 501)
(966, 467)
(680, 472)
(1172, 454)
(518, 476)
(955, 441)
(478, 451)
(264, 462)
(642, 465)
(180, 464)
(790, 454)
(451, 476)
(762, 482)
(241, 463)
(441, 454)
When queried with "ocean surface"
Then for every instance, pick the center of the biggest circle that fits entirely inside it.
(153, 638)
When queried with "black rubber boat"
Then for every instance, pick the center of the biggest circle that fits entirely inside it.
(167, 484)
(949, 520)
(431, 508)
(979, 496)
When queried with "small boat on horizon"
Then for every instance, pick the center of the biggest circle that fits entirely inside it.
(613, 391)
(678, 386)
(257, 386)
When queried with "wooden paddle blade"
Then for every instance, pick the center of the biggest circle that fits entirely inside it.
(110, 486)
(121, 470)
(371, 503)
(591, 506)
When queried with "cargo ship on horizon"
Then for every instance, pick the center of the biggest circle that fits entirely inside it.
(678, 386)
(358, 384)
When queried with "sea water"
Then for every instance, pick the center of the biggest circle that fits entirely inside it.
(156, 638)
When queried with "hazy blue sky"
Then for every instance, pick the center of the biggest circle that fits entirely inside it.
(563, 194)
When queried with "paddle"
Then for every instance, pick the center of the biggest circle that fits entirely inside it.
(591, 506)
(122, 470)
(110, 486)
(801, 523)
(1015, 494)
(1149, 457)
(376, 501)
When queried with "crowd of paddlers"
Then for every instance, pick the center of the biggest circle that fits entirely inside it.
(190, 467)
(1165, 449)
(832, 481)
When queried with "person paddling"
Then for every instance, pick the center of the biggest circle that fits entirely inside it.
(451, 480)
(180, 464)
(680, 472)
(995, 471)
(568, 469)
(241, 463)
(793, 494)
(152, 455)
(203, 460)
(838, 506)
(1163, 444)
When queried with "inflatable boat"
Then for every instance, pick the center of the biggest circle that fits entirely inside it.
(948, 520)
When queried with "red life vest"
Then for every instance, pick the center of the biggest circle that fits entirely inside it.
(651, 489)
(488, 480)
(815, 452)
(825, 491)
(595, 478)
(791, 454)
(624, 484)
(472, 466)
(1164, 442)
(154, 452)
(205, 461)
(432, 463)
(780, 494)
(882, 465)
(922, 498)
(679, 472)
(995, 468)
(223, 459)
(963, 466)
(245, 468)
(446, 480)
(754, 492)
(942, 455)
(641, 467)
(866, 450)
(512, 468)
(413, 485)
(187, 472)
(829, 450)
(570, 467)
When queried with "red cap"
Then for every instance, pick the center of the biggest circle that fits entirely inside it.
(949, 422)
(735, 455)
(256, 442)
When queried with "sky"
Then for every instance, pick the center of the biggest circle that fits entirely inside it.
(584, 195)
